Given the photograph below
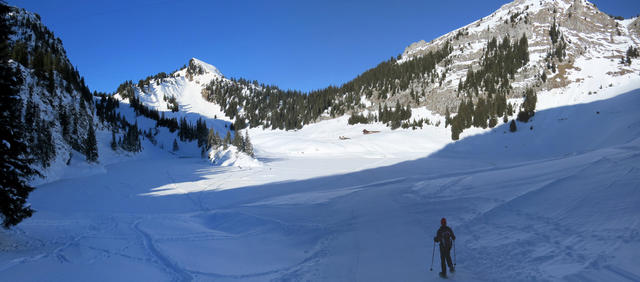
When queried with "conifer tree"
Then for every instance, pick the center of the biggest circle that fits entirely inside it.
(528, 106)
(456, 127)
(218, 139)
(512, 126)
(91, 145)
(44, 146)
(447, 118)
(64, 121)
(238, 141)
(131, 140)
(114, 144)
(227, 140)
(211, 139)
(493, 121)
(175, 145)
(248, 147)
(201, 132)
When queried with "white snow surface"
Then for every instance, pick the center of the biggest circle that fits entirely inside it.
(557, 200)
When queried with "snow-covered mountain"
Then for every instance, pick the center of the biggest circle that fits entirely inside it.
(585, 35)
(563, 42)
(70, 131)
(185, 86)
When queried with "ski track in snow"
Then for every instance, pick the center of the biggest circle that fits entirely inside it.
(180, 274)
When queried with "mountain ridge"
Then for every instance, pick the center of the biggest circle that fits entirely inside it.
(440, 82)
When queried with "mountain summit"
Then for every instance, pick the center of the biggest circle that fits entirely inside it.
(200, 67)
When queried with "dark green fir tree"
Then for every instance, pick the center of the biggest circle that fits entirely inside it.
(175, 145)
(91, 145)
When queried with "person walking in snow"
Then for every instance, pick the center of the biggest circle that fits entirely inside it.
(444, 237)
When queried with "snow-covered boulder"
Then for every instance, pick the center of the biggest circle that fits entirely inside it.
(232, 157)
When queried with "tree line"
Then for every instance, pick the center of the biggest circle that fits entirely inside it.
(498, 67)
(491, 84)
(270, 107)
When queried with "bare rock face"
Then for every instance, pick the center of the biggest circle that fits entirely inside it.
(587, 32)
(634, 27)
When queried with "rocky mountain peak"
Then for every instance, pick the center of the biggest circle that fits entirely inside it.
(581, 31)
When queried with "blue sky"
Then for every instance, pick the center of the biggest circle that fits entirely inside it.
(294, 44)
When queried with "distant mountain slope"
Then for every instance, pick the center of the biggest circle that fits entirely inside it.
(581, 32)
(57, 106)
(526, 44)
(68, 128)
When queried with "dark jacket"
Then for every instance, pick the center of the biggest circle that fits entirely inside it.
(440, 236)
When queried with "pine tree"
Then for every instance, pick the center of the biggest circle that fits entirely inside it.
(456, 127)
(131, 140)
(493, 121)
(64, 121)
(91, 145)
(248, 147)
(528, 106)
(238, 141)
(114, 144)
(45, 149)
(512, 126)
(211, 139)
(447, 118)
(175, 145)
(14, 165)
(201, 132)
(530, 101)
(218, 139)
(227, 140)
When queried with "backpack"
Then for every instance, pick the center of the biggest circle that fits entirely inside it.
(445, 239)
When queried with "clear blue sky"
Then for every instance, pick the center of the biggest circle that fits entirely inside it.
(294, 44)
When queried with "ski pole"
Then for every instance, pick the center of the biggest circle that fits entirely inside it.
(432, 253)
(454, 252)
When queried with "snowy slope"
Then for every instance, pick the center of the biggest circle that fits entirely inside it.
(188, 93)
(558, 202)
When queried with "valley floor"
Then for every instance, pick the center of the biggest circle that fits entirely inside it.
(560, 201)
